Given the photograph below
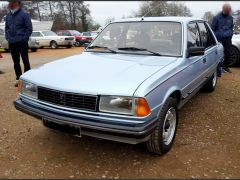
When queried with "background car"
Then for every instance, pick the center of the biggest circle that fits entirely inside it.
(51, 39)
(94, 34)
(74, 33)
(85, 37)
(235, 50)
(32, 43)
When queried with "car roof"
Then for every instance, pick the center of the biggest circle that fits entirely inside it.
(160, 18)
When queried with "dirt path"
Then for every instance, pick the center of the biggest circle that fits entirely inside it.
(207, 143)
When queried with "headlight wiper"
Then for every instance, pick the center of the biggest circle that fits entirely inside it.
(139, 49)
(107, 48)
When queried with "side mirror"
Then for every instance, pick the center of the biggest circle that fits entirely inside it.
(196, 51)
(86, 45)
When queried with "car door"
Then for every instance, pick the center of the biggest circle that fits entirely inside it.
(38, 36)
(209, 43)
(193, 74)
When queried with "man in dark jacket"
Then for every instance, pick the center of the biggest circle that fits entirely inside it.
(222, 26)
(18, 29)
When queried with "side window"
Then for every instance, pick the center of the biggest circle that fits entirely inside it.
(207, 38)
(1, 32)
(60, 33)
(193, 35)
(36, 34)
(65, 33)
(203, 34)
(211, 40)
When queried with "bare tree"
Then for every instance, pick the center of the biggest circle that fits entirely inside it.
(208, 16)
(163, 8)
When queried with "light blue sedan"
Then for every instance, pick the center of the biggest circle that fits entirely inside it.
(129, 83)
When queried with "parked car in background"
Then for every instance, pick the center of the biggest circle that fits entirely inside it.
(235, 50)
(32, 43)
(126, 88)
(51, 39)
(85, 37)
(74, 33)
(94, 34)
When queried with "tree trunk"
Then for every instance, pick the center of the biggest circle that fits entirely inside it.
(39, 15)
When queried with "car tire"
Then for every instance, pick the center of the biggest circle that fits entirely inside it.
(69, 46)
(78, 44)
(34, 49)
(210, 86)
(235, 56)
(166, 126)
(53, 45)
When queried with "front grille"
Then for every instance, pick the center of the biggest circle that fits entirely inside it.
(66, 99)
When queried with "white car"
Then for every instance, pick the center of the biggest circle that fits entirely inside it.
(32, 43)
(51, 39)
(235, 51)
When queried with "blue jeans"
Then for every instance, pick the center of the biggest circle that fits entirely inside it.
(219, 70)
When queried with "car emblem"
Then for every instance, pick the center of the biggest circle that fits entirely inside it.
(61, 98)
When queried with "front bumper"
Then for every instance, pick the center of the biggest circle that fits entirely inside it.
(91, 126)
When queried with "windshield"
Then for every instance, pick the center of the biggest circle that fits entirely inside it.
(74, 33)
(86, 34)
(164, 38)
(94, 33)
(49, 33)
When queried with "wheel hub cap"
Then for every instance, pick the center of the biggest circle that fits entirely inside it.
(169, 126)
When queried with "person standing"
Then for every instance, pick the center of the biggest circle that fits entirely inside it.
(18, 29)
(222, 27)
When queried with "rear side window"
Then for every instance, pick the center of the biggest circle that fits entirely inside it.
(193, 37)
(36, 34)
(60, 33)
(207, 39)
(66, 33)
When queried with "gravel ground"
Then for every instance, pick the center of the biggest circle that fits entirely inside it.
(207, 144)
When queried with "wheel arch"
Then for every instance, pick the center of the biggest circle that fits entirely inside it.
(173, 92)
(177, 94)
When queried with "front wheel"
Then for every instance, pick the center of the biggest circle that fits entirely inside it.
(53, 45)
(34, 49)
(78, 44)
(163, 136)
(235, 56)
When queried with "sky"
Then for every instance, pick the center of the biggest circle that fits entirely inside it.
(101, 10)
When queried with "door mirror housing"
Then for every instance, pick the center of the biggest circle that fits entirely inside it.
(86, 45)
(196, 51)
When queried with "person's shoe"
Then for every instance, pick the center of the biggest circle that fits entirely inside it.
(227, 69)
(223, 71)
(16, 83)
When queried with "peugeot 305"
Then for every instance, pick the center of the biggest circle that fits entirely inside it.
(129, 83)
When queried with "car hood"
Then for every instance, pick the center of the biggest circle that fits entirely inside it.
(98, 73)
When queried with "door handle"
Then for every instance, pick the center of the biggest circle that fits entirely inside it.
(204, 60)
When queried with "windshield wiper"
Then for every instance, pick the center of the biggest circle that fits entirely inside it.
(107, 48)
(138, 49)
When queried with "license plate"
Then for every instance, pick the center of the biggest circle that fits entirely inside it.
(73, 130)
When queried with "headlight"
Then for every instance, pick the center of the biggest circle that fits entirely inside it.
(28, 89)
(124, 105)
